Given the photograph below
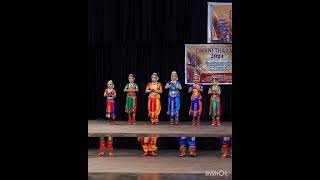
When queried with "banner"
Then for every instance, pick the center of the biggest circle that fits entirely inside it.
(208, 60)
(219, 22)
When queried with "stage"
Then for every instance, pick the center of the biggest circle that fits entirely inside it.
(164, 129)
(130, 164)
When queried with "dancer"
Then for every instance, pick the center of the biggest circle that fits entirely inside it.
(215, 106)
(149, 145)
(103, 147)
(174, 87)
(191, 142)
(131, 100)
(110, 94)
(154, 104)
(196, 100)
(226, 146)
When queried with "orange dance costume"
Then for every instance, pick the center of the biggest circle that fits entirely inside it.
(149, 145)
(154, 89)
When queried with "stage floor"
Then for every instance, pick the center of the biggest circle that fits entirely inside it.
(129, 164)
(164, 129)
(153, 176)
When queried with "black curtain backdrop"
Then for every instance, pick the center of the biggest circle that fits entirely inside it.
(142, 37)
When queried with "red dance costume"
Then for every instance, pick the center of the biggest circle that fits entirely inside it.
(104, 148)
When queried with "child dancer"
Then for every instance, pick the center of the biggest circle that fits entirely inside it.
(154, 103)
(191, 142)
(215, 106)
(226, 146)
(104, 148)
(174, 87)
(110, 94)
(131, 101)
(196, 100)
(149, 145)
